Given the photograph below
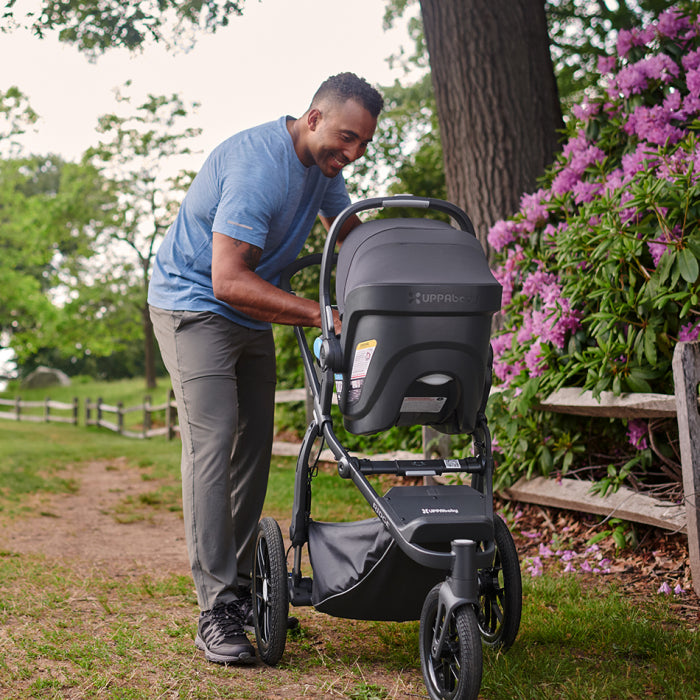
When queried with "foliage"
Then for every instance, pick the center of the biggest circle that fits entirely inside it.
(97, 25)
(16, 115)
(50, 213)
(600, 266)
(133, 154)
(138, 149)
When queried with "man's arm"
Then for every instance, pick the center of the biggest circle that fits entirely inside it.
(235, 282)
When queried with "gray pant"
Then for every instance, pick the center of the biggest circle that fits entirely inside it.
(223, 376)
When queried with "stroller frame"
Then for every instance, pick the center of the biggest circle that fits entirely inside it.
(469, 555)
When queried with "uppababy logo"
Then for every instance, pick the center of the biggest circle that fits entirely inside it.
(432, 511)
(435, 298)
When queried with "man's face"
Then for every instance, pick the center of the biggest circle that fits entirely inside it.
(339, 135)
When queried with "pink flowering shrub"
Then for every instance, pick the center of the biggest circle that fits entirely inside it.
(600, 266)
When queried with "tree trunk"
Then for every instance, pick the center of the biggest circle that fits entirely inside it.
(497, 101)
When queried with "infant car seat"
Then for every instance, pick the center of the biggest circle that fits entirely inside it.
(416, 298)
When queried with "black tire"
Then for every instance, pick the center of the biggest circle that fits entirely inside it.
(270, 592)
(500, 592)
(456, 674)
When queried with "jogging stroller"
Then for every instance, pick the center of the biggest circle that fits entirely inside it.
(416, 299)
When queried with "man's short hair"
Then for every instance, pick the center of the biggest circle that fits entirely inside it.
(348, 86)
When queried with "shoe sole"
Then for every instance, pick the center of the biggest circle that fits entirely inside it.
(242, 657)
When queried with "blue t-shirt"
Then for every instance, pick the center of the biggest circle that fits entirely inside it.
(254, 188)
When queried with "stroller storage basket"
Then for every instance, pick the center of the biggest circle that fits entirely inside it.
(415, 338)
(360, 573)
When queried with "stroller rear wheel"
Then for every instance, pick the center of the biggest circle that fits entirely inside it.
(456, 672)
(270, 592)
(500, 592)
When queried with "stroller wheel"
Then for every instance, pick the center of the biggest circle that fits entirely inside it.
(270, 592)
(500, 592)
(455, 673)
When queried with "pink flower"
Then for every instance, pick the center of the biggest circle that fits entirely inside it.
(586, 191)
(635, 78)
(581, 155)
(637, 431)
(606, 64)
(671, 23)
(657, 248)
(545, 551)
(640, 160)
(664, 589)
(535, 568)
(502, 233)
(534, 361)
(692, 80)
(564, 181)
(587, 109)
(691, 60)
(660, 245)
(626, 39)
(689, 333)
(534, 207)
(653, 124)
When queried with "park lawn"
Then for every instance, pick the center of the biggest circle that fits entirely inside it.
(67, 632)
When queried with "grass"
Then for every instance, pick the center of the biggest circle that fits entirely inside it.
(70, 632)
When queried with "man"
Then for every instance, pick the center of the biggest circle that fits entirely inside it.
(213, 295)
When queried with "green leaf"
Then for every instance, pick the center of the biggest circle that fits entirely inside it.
(619, 537)
(637, 383)
(650, 344)
(687, 265)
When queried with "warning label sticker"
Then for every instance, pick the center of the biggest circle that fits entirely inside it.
(364, 352)
(423, 404)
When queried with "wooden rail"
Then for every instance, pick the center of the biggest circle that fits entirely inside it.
(95, 415)
(48, 408)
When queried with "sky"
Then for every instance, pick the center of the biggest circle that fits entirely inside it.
(266, 63)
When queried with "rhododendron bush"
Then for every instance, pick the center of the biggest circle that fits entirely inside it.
(600, 266)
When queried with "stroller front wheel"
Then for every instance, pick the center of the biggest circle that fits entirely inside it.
(456, 672)
(500, 594)
(270, 592)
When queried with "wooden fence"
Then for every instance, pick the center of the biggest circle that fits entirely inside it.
(27, 411)
(95, 413)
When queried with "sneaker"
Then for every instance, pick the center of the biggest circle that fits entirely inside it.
(221, 637)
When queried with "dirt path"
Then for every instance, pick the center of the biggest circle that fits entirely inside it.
(80, 530)
(81, 527)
